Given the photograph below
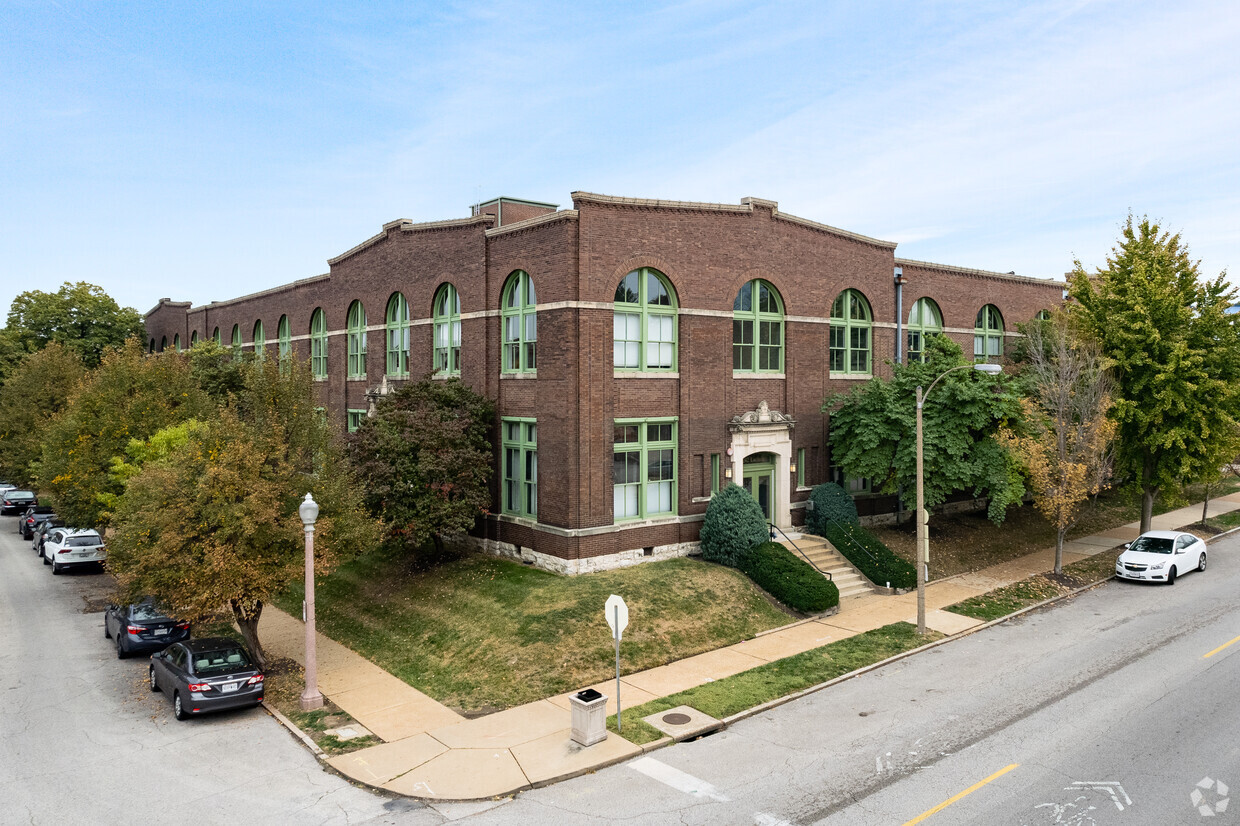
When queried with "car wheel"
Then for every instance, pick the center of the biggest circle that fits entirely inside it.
(55, 568)
(1201, 563)
(107, 635)
(121, 653)
(150, 672)
(178, 710)
(1171, 576)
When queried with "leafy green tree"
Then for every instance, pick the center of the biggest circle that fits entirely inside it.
(874, 431)
(734, 524)
(1176, 357)
(217, 369)
(425, 460)
(35, 393)
(80, 316)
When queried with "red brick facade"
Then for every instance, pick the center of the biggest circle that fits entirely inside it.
(576, 258)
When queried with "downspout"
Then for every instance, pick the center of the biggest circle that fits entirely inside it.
(899, 281)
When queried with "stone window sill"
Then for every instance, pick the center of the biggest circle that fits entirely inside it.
(737, 374)
(833, 376)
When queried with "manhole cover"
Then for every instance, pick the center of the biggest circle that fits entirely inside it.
(676, 719)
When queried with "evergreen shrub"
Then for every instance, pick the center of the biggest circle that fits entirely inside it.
(734, 524)
(875, 560)
(789, 579)
(831, 503)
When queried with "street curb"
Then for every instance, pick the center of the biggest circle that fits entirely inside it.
(298, 733)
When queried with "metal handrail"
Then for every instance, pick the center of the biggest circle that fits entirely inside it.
(775, 527)
(847, 534)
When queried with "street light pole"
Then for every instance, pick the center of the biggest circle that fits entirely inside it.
(311, 698)
(922, 553)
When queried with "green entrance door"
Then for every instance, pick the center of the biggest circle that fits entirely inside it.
(759, 480)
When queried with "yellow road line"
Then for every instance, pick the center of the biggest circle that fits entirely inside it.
(1220, 648)
(965, 793)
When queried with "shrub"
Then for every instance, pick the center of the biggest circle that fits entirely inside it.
(831, 502)
(790, 580)
(734, 524)
(874, 559)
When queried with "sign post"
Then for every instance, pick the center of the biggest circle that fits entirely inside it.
(617, 615)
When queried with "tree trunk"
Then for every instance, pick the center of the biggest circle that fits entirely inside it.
(438, 540)
(1059, 549)
(1205, 506)
(1147, 508)
(247, 622)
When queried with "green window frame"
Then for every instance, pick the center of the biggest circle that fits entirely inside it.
(284, 341)
(851, 341)
(988, 334)
(397, 336)
(353, 419)
(643, 474)
(356, 333)
(193, 339)
(163, 343)
(236, 339)
(318, 343)
(714, 473)
(446, 313)
(644, 323)
(924, 321)
(260, 341)
(800, 467)
(519, 443)
(215, 336)
(176, 342)
(758, 309)
(519, 318)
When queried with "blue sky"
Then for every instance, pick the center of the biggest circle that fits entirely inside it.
(203, 151)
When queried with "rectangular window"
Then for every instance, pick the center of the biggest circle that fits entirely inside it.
(742, 345)
(839, 350)
(354, 419)
(860, 350)
(627, 340)
(714, 473)
(660, 344)
(520, 451)
(643, 471)
(800, 467)
(770, 344)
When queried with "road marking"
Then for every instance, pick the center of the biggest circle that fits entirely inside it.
(1108, 786)
(678, 780)
(963, 794)
(1220, 648)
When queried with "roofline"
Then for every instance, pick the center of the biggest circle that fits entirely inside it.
(1007, 276)
(166, 302)
(299, 282)
(405, 225)
(512, 200)
(528, 223)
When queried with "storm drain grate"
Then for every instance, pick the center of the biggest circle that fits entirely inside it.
(676, 719)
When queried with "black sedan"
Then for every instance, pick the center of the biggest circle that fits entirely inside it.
(34, 516)
(16, 501)
(141, 627)
(204, 675)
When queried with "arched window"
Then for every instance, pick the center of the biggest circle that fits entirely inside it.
(152, 348)
(447, 311)
(644, 324)
(518, 303)
(357, 340)
(397, 336)
(216, 336)
(1043, 315)
(163, 343)
(260, 341)
(758, 308)
(850, 334)
(924, 320)
(988, 334)
(176, 342)
(236, 339)
(284, 341)
(193, 338)
(318, 344)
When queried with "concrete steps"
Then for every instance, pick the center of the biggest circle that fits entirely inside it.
(846, 578)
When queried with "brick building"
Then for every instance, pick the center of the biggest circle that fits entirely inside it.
(641, 353)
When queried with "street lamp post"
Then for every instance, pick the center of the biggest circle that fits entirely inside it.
(311, 698)
(923, 518)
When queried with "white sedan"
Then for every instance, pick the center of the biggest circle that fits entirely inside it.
(1160, 556)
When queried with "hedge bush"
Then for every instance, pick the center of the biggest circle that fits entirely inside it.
(883, 567)
(789, 579)
(831, 502)
(734, 524)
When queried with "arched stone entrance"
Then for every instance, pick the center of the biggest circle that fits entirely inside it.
(766, 436)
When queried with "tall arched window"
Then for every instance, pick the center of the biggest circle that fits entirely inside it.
(644, 324)
(152, 347)
(447, 323)
(850, 333)
(163, 343)
(260, 341)
(176, 342)
(988, 334)
(193, 338)
(318, 344)
(236, 339)
(924, 321)
(518, 303)
(216, 336)
(397, 336)
(284, 341)
(758, 329)
(357, 340)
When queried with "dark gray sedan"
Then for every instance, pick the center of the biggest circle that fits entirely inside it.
(141, 627)
(205, 675)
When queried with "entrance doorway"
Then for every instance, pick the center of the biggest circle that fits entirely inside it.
(759, 480)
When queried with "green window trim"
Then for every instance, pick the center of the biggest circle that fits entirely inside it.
(163, 343)
(216, 336)
(519, 449)
(644, 469)
(988, 334)
(353, 419)
(260, 341)
(193, 338)
(397, 336)
(851, 339)
(446, 311)
(644, 323)
(714, 473)
(356, 327)
(924, 321)
(519, 320)
(318, 344)
(759, 309)
(284, 341)
(176, 342)
(236, 339)
(800, 467)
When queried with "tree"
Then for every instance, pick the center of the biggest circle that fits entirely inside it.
(1176, 356)
(1066, 440)
(874, 435)
(80, 316)
(734, 524)
(211, 517)
(425, 460)
(35, 393)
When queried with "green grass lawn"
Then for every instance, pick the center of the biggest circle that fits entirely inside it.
(1011, 598)
(481, 634)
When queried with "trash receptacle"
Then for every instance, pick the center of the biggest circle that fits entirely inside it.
(589, 718)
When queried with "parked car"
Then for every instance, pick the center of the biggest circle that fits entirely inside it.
(42, 530)
(210, 674)
(31, 519)
(141, 627)
(66, 547)
(1161, 556)
(16, 501)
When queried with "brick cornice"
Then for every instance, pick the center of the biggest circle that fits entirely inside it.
(971, 273)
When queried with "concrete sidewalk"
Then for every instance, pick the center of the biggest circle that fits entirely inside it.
(434, 753)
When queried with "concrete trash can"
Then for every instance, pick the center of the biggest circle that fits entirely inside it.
(589, 717)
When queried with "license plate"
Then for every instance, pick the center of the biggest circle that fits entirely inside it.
(227, 687)
(159, 631)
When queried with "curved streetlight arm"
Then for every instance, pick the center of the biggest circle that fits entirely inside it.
(981, 367)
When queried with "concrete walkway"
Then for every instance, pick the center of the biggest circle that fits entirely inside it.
(432, 752)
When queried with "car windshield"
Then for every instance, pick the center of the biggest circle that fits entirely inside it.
(1153, 545)
(146, 611)
(82, 541)
(19, 496)
(221, 659)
